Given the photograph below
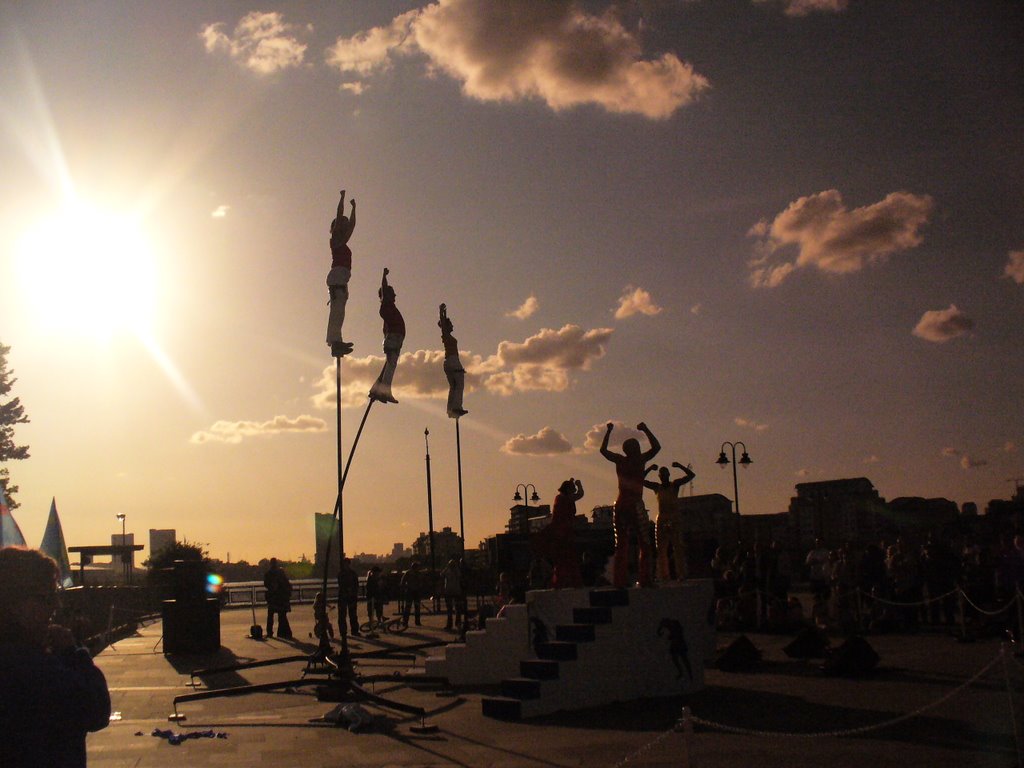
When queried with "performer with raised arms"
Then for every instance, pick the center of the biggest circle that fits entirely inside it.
(394, 336)
(669, 525)
(453, 369)
(629, 468)
(338, 277)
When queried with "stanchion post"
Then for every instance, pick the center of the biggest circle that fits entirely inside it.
(1020, 622)
(963, 614)
(687, 725)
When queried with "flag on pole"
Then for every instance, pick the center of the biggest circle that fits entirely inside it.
(10, 533)
(54, 546)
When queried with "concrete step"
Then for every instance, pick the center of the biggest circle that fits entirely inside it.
(592, 615)
(501, 707)
(576, 633)
(539, 669)
(609, 597)
(556, 650)
(520, 688)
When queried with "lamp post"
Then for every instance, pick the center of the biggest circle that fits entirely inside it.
(523, 497)
(124, 558)
(743, 461)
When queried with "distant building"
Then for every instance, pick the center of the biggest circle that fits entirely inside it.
(837, 511)
(918, 516)
(524, 518)
(160, 539)
(447, 546)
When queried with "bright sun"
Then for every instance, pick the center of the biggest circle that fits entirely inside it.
(88, 271)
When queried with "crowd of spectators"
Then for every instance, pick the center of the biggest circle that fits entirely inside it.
(896, 585)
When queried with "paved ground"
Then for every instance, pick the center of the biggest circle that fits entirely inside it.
(973, 727)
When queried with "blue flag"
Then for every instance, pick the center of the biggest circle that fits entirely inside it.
(53, 545)
(10, 533)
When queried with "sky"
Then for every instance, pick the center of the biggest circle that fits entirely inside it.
(794, 224)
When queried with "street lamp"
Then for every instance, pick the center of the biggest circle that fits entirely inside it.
(124, 558)
(534, 497)
(743, 461)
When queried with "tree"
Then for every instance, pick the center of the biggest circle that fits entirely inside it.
(11, 413)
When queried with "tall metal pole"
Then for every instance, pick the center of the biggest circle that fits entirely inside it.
(341, 482)
(458, 461)
(430, 509)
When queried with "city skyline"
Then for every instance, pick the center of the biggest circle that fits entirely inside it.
(791, 223)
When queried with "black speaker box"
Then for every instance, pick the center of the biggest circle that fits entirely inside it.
(854, 658)
(739, 656)
(810, 643)
(191, 626)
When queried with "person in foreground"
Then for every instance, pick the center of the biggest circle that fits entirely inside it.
(51, 693)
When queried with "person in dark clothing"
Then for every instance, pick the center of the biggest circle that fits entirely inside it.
(374, 595)
(348, 598)
(51, 693)
(412, 591)
(279, 600)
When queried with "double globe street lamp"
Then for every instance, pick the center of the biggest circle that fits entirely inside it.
(744, 461)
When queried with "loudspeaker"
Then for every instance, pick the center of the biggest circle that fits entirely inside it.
(739, 656)
(191, 626)
(810, 643)
(854, 658)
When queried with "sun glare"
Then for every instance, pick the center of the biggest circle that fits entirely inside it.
(89, 272)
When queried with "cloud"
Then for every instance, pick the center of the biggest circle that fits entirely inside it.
(515, 50)
(621, 433)
(1010, 447)
(525, 309)
(262, 42)
(696, 309)
(547, 442)
(834, 239)
(740, 422)
(797, 8)
(542, 362)
(233, 432)
(1015, 267)
(220, 211)
(966, 462)
(941, 325)
(872, 459)
(635, 300)
(950, 452)
(803, 472)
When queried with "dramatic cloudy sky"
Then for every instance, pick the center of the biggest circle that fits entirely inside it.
(792, 223)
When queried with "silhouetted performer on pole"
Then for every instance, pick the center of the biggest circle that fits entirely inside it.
(453, 369)
(394, 335)
(629, 468)
(669, 525)
(338, 277)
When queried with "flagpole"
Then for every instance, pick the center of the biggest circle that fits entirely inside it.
(458, 462)
(430, 509)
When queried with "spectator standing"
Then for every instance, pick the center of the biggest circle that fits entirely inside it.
(348, 598)
(51, 693)
(451, 590)
(817, 568)
(374, 595)
(412, 593)
(279, 600)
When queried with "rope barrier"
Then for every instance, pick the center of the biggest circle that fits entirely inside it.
(859, 730)
(685, 723)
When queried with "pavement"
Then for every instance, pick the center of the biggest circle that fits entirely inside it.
(925, 673)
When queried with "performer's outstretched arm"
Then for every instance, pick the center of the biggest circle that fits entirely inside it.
(655, 445)
(679, 482)
(579, 491)
(604, 444)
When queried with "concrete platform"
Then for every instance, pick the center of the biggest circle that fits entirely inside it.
(973, 728)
